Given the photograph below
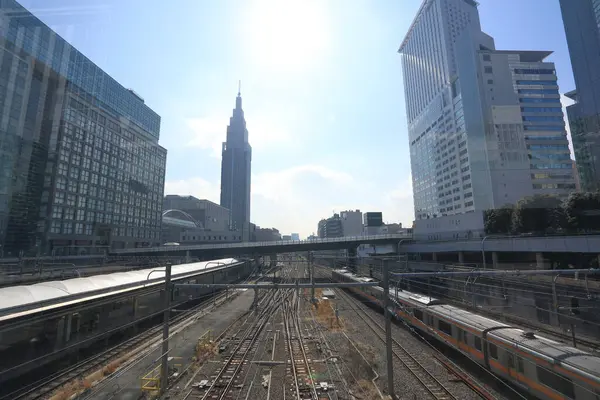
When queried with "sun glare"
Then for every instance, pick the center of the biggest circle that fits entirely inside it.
(288, 35)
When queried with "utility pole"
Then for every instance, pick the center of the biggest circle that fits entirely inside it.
(388, 330)
(164, 366)
(311, 273)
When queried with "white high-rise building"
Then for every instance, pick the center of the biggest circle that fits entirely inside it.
(485, 127)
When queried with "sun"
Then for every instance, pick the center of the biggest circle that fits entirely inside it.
(286, 35)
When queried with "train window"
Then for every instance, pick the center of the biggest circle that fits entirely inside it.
(520, 366)
(493, 350)
(556, 382)
(418, 314)
(445, 327)
(478, 343)
(465, 337)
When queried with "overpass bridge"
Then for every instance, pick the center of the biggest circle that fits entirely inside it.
(281, 246)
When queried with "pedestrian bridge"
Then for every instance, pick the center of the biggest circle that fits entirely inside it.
(274, 247)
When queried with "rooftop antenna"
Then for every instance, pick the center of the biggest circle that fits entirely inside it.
(239, 87)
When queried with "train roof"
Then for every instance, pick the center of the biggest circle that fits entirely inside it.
(467, 318)
(568, 357)
(14, 296)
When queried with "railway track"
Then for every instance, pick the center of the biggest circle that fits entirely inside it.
(429, 382)
(299, 371)
(78, 371)
(228, 376)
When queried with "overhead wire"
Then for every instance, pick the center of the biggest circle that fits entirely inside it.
(485, 340)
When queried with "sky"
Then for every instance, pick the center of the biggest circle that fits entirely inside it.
(321, 83)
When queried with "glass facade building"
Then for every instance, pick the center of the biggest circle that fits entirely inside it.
(81, 168)
(582, 26)
(477, 116)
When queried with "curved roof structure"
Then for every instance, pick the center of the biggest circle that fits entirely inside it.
(183, 219)
(23, 295)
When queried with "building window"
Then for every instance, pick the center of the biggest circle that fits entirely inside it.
(488, 70)
(487, 57)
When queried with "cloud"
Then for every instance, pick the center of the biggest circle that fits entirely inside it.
(210, 132)
(294, 199)
(565, 101)
(196, 187)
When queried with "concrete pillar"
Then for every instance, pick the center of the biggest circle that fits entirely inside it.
(187, 257)
(539, 260)
(461, 257)
(134, 306)
(273, 260)
(60, 333)
(68, 321)
(434, 257)
(494, 260)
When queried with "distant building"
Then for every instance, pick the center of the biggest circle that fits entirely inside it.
(321, 228)
(394, 228)
(235, 171)
(352, 223)
(581, 19)
(332, 227)
(211, 216)
(295, 236)
(286, 237)
(267, 234)
(80, 164)
(372, 219)
(485, 126)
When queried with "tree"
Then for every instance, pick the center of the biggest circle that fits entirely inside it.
(537, 214)
(498, 220)
(582, 211)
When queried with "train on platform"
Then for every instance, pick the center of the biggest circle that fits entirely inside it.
(49, 321)
(540, 366)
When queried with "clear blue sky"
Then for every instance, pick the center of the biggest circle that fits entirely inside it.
(321, 84)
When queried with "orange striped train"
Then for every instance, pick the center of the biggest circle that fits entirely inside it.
(545, 368)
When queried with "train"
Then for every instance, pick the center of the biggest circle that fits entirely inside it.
(542, 367)
(43, 322)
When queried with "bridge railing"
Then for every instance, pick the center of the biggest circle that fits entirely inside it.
(344, 239)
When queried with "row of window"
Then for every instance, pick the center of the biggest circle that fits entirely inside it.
(545, 137)
(542, 118)
(539, 100)
(558, 128)
(554, 186)
(541, 109)
(532, 82)
(537, 91)
(534, 71)
(551, 176)
(550, 166)
(209, 238)
(556, 147)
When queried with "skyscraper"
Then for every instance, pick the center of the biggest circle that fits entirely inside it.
(235, 171)
(80, 163)
(485, 126)
(582, 25)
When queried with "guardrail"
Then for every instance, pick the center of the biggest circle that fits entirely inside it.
(345, 239)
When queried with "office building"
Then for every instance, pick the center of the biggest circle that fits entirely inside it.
(267, 234)
(373, 219)
(235, 171)
(295, 236)
(286, 237)
(209, 215)
(80, 164)
(485, 125)
(582, 26)
(352, 222)
(331, 227)
(321, 228)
